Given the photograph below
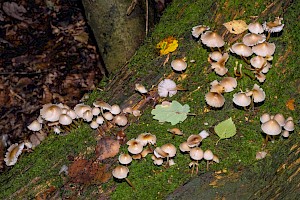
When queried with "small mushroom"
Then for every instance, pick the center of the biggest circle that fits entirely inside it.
(175, 131)
(167, 87)
(12, 154)
(134, 146)
(125, 159)
(214, 99)
(212, 39)
(271, 128)
(198, 30)
(194, 140)
(256, 28)
(208, 156)
(179, 64)
(121, 172)
(241, 99)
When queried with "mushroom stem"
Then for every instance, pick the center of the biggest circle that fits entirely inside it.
(219, 50)
(197, 167)
(128, 181)
(245, 59)
(207, 165)
(268, 37)
(212, 49)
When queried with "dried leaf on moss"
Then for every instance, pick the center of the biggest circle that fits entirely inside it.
(236, 26)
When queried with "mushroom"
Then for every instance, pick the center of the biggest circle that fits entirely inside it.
(272, 27)
(50, 112)
(265, 117)
(94, 124)
(175, 131)
(196, 154)
(212, 39)
(120, 120)
(260, 77)
(121, 172)
(125, 159)
(167, 87)
(241, 99)
(12, 154)
(204, 134)
(65, 119)
(208, 156)
(280, 119)
(194, 140)
(251, 39)
(219, 66)
(100, 120)
(170, 149)
(241, 49)
(198, 30)
(184, 147)
(289, 125)
(140, 88)
(108, 116)
(216, 87)
(157, 161)
(285, 134)
(256, 28)
(134, 146)
(272, 128)
(229, 83)
(35, 126)
(179, 64)
(214, 99)
(264, 49)
(115, 109)
(258, 94)
(80, 109)
(87, 115)
(215, 56)
(258, 62)
(146, 138)
(96, 111)
(260, 155)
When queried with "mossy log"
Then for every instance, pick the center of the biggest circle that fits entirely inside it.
(276, 177)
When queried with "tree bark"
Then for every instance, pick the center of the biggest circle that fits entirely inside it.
(118, 35)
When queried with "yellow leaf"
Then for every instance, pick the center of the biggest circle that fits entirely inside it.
(290, 104)
(167, 45)
(236, 26)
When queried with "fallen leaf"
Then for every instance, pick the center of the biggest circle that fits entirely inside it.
(12, 9)
(225, 129)
(167, 45)
(236, 26)
(290, 104)
(173, 113)
(107, 148)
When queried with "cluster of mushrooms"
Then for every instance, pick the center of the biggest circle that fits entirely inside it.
(274, 125)
(192, 144)
(60, 118)
(254, 42)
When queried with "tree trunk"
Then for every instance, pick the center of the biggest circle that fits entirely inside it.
(118, 35)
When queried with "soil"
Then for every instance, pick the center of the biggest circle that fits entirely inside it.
(46, 55)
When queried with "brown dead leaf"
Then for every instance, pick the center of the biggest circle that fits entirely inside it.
(12, 9)
(236, 26)
(88, 172)
(107, 148)
(82, 37)
(290, 104)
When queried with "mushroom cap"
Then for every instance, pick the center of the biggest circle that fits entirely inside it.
(204, 134)
(179, 64)
(214, 99)
(208, 155)
(258, 61)
(198, 30)
(289, 125)
(260, 77)
(212, 39)
(216, 56)
(140, 88)
(184, 147)
(120, 120)
(136, 113)
(108, 116)
(120, 172)
(125, 158)
(275, 26)
(258, 94)
(134, 146)
(169, 149)
(99, 120)
(280, 119)
(285, 133)
(241, 49)
(159, 153)
(220, 70)
(72, 114)
(255, 27)
(194, 140)
(35, 126)
(102, 104)
(216, 87)
(265, 117)
(94, 124)
(127, 110)
(96, 111)
(80, 109)
(145, 138)
(65, 119)
(50, 112)
(157, 161)
(13, 153)
(260, 155)
(175, 131)
(241, 99)
(115, 109)
(196, 153)
(167, 87)
(229, 83)
(271, 127)
(264, 49)
(251, 39)
(87, 115)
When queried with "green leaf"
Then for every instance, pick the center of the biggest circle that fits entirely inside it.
(173, 113)
(225, 129)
